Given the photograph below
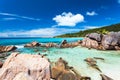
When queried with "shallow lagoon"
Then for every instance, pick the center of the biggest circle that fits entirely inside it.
(75, 57)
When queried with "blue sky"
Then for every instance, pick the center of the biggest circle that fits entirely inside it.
(47, 18)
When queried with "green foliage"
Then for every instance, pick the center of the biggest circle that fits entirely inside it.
(103, 30)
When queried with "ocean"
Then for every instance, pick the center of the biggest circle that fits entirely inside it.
(74, 56)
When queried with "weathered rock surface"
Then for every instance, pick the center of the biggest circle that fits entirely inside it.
(65, 44)
(89, 43)
(25, 67)
(7, 48)
(95, 36)
(32, 44)
(110, 41)
(51, 45)
(61, 71)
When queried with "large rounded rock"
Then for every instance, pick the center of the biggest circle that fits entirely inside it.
(25, 67)
(111, 40)
(89, 43)
(95, 36)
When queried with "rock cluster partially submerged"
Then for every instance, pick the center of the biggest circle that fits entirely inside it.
(93, 63)
(7, 48)
(61, 71)
(32, 44)
(63, 44)
(110, 41)
(36, 67)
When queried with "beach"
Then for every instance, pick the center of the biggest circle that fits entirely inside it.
(74, 56)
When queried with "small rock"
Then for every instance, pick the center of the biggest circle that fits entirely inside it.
(104, 77)
(32, 44)
(91, 62)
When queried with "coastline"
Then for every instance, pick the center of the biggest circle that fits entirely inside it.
(75, 58)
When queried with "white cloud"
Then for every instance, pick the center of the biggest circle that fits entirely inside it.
(18, 16)
(91, 27)
(68, 19)
(45, 32)
(8, 19)
(93, 13)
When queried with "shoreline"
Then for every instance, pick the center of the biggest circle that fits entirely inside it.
(75, 57)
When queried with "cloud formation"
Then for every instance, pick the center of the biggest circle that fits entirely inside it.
(8, 19)
(91, 27)
(18, 16)
(68, 19)
(44, 32)
(93, 13)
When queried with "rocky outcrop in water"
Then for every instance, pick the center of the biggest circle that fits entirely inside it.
(65, 44)
(92, 63)
(110, 41)
(61, 71)
(25, 67)
(7, 48)
(48, 45)
(32, 44)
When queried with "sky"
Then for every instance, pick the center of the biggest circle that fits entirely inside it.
(48, 18)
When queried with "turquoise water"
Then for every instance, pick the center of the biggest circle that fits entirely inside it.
(19, 41)
(75, 57)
